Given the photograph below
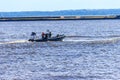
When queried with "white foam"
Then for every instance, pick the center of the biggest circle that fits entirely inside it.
(85, 40)
(94, 40)
(13, 42)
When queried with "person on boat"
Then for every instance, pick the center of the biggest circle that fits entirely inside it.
(57, 35)
(49, 34)
(33, 35)
(43, 35)
(46, 36)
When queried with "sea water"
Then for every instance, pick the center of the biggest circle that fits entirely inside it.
(91, 50)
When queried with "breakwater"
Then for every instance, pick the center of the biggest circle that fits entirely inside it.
(58, 18)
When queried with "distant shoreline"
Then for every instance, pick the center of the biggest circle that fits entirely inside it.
(48, 18)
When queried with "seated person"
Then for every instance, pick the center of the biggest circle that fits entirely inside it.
(33, 35)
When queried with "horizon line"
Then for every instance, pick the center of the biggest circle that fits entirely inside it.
(59, 10)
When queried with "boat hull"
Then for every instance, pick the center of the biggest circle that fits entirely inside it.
(56, 38)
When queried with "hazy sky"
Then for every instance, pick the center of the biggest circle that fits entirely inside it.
(53, 5)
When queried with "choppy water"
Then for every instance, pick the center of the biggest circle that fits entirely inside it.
(93, 56)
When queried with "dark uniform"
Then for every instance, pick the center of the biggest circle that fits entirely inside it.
(33, 35)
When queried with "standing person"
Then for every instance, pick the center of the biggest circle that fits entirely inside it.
(46, 36)
(43, 35)
(49, 34)
(33, 35)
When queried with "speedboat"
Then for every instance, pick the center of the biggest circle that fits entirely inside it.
(54, 38)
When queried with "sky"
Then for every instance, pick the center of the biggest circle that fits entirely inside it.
(56, 5)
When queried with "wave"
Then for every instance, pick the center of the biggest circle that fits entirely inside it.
(108, 36)
(13, 42)
(94, 40)
(82, 40)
